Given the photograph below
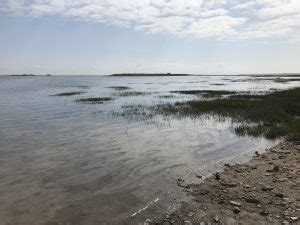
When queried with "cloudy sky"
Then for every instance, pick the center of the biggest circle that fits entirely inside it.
(178, 36)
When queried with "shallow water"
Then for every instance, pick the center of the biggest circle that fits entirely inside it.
(67, 162)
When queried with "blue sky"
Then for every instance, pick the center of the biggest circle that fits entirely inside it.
(177, 36)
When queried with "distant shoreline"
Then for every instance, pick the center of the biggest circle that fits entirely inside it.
(148, 74)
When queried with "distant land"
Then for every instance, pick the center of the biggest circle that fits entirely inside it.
(148, 74)
(27, 75)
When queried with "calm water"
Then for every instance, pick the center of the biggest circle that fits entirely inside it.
(63, 162)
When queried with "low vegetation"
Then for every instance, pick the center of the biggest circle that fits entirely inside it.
(94, 100)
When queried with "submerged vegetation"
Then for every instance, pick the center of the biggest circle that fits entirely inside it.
(274, 79)
(271, 115)
(94, 100)
(69, 93)
(205, 93)
(131, 93)
(166, 96)
(120, 88)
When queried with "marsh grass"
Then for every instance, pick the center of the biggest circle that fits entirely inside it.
(272, 115)
(94, 100)
(69, 93)
(120, 88)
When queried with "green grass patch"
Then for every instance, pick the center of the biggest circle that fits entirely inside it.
(271, 115)
(69, 93)
(94, 100)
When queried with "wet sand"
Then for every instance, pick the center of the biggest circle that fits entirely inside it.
(266, 190)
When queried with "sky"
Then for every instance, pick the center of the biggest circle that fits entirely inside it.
(99, 37)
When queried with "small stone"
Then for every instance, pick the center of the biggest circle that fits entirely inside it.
(235, 203)
(276, 168)
(264, 213)
(285, 222)
(294, 218)
(148, 222)
(190, 214)
(198, 175)
(267, 174)
(266, 188)
(279, 195)
(253, 167)
(251, 199)
(256, 153)
(236, 210)
(227, 184)
(281, 179)
(216, 218)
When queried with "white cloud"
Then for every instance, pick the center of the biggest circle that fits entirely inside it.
(217, 19)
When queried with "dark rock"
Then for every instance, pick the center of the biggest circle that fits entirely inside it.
(256, 153)
(198, 175)
(218, 176)
(266, 188)
(226, 184)
(279, 195)
(180, 183)
(264, 213)
(276, 168)
(251, 199)
(236, 210)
